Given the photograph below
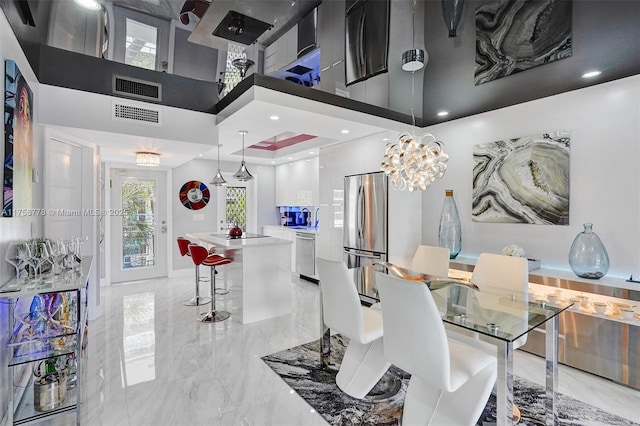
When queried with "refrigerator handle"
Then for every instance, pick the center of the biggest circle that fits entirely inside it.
(362, 216)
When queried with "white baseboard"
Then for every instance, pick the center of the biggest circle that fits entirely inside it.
(188, 272)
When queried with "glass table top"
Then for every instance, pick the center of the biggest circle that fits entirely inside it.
(493, 311)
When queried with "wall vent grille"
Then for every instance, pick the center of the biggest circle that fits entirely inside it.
(137, 88)
(130, 112)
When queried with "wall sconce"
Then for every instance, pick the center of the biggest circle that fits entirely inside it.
(147, 159)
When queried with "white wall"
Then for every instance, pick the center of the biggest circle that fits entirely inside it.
(604, 121)
(16, 228)
(205, 219)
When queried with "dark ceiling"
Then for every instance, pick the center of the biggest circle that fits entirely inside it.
(605, 35)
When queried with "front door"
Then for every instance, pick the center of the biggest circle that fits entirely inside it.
(138, 224)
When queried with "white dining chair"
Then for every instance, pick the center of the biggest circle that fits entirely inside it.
(364, 362)
(431, 260)
(508, 272)
(450, 381)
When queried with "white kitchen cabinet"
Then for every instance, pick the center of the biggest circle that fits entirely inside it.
(297, 183)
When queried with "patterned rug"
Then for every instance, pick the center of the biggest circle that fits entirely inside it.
(300, 368)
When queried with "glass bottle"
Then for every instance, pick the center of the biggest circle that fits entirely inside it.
(587, 257)
(450, 230)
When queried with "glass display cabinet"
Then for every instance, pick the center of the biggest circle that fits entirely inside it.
(48, 325)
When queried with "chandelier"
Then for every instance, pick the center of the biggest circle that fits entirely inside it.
(147, 159)
(413, 164)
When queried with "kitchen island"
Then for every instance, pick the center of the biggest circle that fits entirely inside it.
(260, 271)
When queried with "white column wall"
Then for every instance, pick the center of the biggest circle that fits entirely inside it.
(604, 121)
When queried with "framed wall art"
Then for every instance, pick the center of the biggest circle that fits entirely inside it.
(194, 195)
(522, 180)
(18, 141)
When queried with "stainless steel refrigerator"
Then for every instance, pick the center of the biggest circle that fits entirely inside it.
(365, 221)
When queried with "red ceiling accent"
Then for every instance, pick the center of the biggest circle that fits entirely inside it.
(282, 140)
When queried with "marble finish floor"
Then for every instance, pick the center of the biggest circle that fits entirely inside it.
(149, 362)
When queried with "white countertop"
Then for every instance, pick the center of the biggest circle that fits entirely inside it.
(307, 230)
(216, 239)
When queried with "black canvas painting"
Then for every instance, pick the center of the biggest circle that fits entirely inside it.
(512, 36)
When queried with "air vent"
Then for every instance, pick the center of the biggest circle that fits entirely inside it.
(130, 112)
(140, 89)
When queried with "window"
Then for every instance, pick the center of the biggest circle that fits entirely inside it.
(141, 44)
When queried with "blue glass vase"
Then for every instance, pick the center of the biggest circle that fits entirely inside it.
(587, 257)
(450, 229)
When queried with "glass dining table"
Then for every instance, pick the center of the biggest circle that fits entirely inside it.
(489, 314)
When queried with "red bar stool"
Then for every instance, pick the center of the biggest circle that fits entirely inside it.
(201, 256)
(197, 300)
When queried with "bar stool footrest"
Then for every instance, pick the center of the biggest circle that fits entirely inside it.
(215, 316)
(197, 301)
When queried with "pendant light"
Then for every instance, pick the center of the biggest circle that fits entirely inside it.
(452, 12)
(414, 59)
(243, 174)
(218, 180)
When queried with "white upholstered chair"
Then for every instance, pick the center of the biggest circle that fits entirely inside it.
(431, 260)
(450, 381)
(509, 272)
(364, 362)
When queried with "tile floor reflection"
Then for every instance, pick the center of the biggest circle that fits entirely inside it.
(149, 362)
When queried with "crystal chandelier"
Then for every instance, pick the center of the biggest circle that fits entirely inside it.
(413, 164)
(410, 163)
(147, 159)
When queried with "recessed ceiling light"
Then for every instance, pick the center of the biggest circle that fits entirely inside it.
(591, 74)
(385, 139)
(443, 113)
(200, 155)
(311, 152)
(289, 158)
(308, 160)
(274, 117)
(89, 4)
(322, 167)
(273, 162)
(344, 131)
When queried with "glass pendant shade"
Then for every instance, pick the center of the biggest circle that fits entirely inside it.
(243, 174)
(218, 180)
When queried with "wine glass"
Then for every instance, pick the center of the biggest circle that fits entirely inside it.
(18, 256)
(39, 256)
(58, 251)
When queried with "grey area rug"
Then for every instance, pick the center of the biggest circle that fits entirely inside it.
(300, 368)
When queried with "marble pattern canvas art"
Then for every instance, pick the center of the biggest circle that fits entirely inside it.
(522, 180)
(512, 36)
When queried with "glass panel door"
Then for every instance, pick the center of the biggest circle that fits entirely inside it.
(138, 225)
(236, 207)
